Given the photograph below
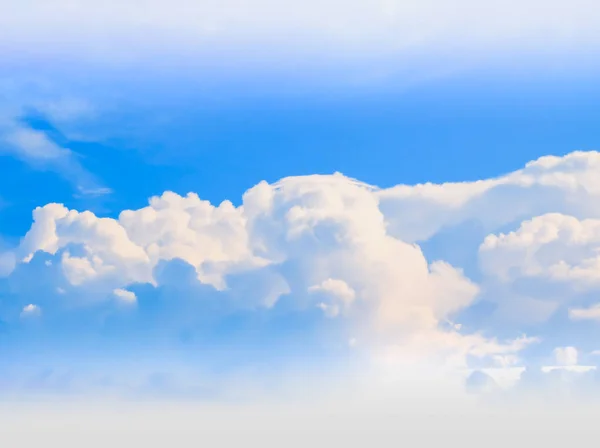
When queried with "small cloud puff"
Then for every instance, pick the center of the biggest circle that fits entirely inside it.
(125, 296)
(566, 356)
(31, 310)
(337, 288)
(338, 294)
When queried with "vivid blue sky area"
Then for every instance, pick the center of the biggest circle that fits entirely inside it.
(197, 195)
(172, 134)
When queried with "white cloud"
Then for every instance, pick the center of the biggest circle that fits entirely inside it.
(329, 310)
(554, 246)
(321, 240)
(590, 313)
(549, 262)
(569, 368)
(112, 28)
(566, 356)
(337, 288)
(65, 110)
(36, 147)
(567, 360)
(348, 248)
(551, 184)
(549, 258)
(125, 296)
(505, 361)
(210, 238)
(108, 253)
(506, 376)
(338, 292)
(31, 310)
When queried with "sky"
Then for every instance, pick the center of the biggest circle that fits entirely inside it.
(240, 201)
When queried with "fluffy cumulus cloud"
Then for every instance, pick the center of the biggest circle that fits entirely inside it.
(329, 263)
(553, 246)
(315, 243)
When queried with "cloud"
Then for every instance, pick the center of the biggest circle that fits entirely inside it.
(550, 184)
(31, 311)
(555, 246)
(336, 288)
(338, 292)
(34, 145)
(110, 254)
(38, 150)
(301, 244)
(566, 356)
(325, 265)
(339, 28)
(40, 147)
(125, 296)
(64, 110)
(527, 237)
(591, 313)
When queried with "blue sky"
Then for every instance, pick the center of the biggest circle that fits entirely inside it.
(170, 134)
(477, 251)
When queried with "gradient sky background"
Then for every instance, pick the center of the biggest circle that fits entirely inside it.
(104, 105)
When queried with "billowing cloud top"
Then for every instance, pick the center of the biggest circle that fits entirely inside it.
(327, 265)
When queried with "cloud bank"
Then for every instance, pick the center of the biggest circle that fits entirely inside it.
(339, 29)
(315, 272)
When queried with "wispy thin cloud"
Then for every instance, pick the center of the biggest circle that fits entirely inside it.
(38, 148)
